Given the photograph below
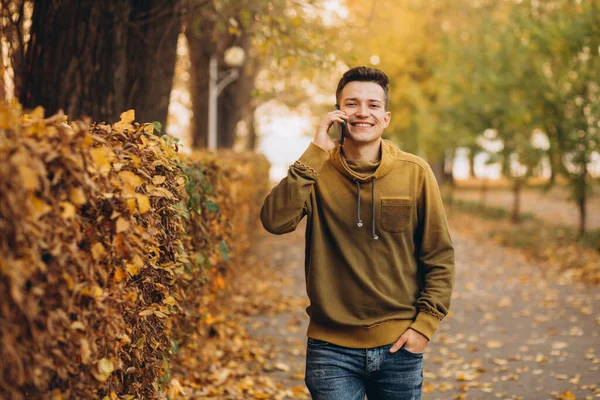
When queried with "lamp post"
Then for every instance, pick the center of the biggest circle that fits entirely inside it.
(234, 57)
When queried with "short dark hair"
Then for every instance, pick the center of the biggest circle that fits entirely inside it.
(364, 74)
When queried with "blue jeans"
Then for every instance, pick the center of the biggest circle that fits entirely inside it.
(341, 373)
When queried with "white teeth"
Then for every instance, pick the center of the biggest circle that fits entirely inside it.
(363, 125)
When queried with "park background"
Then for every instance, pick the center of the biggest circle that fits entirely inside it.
(502, 98)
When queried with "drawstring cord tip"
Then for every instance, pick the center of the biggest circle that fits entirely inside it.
(360, 224)
(375, 237)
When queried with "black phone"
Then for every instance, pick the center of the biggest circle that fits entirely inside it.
(342, 127)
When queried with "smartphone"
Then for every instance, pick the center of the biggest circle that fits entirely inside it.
(342, 127)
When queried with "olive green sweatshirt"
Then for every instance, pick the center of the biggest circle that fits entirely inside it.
(379, 258)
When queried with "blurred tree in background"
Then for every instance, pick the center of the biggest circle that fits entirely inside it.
(285, 41)
(99, 58)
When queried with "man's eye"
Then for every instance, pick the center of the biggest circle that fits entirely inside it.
(350, 104)
(375, 105)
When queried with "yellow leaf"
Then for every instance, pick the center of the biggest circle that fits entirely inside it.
(38, 207)
(494, 344)
(119, 275)
(161, 192)
(29, 178)
(158, 179)
(86, 352)
(36, 115)
(97, 251)
(122, 225)
(128, 116)
(220, 282)
(69, 280)
(78, 325)
(68, 210)
(143, 203)
(145, 313)
(105, 368)
(123, 126)
(77, 196)
(149, 129)
(169, 300)
(131, 205)
(101, 158)
(129, 178)
(566, 395)
(135, 266)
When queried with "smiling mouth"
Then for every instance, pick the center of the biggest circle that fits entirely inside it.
(362, 124)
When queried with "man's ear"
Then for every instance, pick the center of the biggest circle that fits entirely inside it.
(386, 119)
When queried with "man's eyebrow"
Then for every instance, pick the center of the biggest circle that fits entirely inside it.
(355, 99)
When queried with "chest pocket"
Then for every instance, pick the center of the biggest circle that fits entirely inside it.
(396, 213)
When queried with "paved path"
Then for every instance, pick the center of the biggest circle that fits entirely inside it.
(553, 207)
(512, 333)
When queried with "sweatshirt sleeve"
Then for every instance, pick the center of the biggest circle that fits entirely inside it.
(288, 202)
(436, 258)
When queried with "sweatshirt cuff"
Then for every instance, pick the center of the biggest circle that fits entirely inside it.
(426, 324)
(314, 157)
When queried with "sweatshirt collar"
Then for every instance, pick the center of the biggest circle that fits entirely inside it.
(385, 165)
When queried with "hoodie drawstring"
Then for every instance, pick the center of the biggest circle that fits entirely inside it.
(373, 207)
(360, 223)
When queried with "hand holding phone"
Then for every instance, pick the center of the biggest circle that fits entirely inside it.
(342, 127)
(322, 138)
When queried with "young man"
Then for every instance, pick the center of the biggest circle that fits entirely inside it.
(379, 259)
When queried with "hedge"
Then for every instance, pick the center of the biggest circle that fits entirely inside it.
(109, 239)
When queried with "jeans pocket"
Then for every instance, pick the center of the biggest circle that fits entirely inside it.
(412, 353)
(317, 342)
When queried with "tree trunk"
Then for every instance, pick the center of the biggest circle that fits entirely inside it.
(99, 58)
(201, 47)
(472, 163)
(483, 193)
(153, 32)
(581, 196)
(235, 100)
(449, 167)
(438, 170)
(516, 211)
(252, 138)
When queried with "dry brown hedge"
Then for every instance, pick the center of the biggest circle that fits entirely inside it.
(109, 239)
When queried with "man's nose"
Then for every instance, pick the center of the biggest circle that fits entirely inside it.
(363, 111)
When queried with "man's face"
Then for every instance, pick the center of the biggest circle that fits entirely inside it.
(364, 104)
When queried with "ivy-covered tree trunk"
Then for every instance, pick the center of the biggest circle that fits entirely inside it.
(100, 58)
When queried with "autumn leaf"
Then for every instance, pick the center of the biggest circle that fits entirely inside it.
(102, 158)
(129, 178)
(77, 196)
(98, 251)
(143, 203)
(122, 225)
(104, 368)
(158, 179)
(68, 210)
(128, 116)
